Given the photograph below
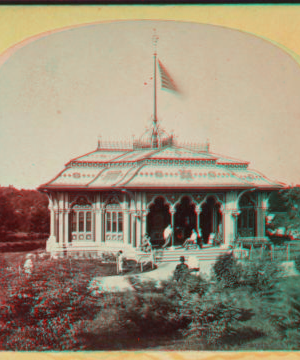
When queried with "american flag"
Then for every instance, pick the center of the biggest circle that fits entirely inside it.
(167, 82)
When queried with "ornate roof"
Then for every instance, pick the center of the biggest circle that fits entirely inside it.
(170, 166)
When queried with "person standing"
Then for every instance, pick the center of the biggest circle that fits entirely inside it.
(120, 262)
(181, 269)
(167, 235)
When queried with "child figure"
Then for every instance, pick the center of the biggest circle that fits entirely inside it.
(28, 264)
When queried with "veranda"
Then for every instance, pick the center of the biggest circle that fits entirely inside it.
(103, 221)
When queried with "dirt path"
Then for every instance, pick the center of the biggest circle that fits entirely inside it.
(122, 282)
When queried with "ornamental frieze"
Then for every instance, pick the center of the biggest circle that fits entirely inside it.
(81, 199)
(111, 199)
(170, 198)
(175, 198)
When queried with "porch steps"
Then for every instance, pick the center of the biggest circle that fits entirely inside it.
(173, 255)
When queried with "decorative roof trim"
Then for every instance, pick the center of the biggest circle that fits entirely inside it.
(160, 161)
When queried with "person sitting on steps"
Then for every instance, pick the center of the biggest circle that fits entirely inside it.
(146, 243)
(191, 241)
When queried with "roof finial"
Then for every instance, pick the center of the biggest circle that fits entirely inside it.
(99, 142)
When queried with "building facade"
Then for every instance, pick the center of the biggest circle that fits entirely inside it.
(110, 198)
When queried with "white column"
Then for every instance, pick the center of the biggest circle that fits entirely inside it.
(98, 220)
(138, 229)
(126, 227)
(261, 211)
(52, 237)
(172, 212)
(56, 215)
(126, 219)
(133, 228)
(61, 227)
(138, 206)
(61, 219)
(51, 242)
(103, 225)
(66, 227)
(230, 217)
(143, 224)
(229, 230)
(98, 226)
(66, 219)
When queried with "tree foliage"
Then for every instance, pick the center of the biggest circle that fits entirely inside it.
(23, 211)
(287, 205)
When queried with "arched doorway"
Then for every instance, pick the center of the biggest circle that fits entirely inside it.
(246, 220)
(210, 218)
(185, 220)
(158, 219)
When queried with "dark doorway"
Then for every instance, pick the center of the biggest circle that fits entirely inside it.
(185, 220)
(210, 218)
(157, 220)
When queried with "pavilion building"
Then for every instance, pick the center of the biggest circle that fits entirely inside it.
(110, 198)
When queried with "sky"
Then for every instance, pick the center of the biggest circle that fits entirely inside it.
(67, 78)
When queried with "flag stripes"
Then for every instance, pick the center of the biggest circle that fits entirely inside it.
(166, 80)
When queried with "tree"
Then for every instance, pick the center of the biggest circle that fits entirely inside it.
(6, 214)
(23, 211)
(290, 218)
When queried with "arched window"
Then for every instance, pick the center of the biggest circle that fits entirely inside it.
(82, 220)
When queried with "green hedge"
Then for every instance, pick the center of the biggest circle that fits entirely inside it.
(29, 245)
(17, 237)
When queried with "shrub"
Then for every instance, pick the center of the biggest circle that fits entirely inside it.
(108, 257)
(46, 306)
(297, 262)
(262, 276)
(131, 315)
(227, 271)
(141, 285)
(151, 313)
(194, 284)
(210, 321)
(284, 315)
(51, 334)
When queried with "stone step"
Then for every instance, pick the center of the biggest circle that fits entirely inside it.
(163, 256)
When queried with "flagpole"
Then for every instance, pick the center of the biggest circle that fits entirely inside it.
(154, 131)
